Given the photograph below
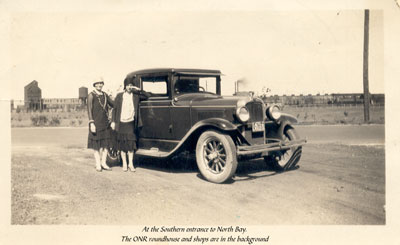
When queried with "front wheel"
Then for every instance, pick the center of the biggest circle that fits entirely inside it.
(286, 159)
(216, 156)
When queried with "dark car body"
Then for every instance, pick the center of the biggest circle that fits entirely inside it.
(186, 112)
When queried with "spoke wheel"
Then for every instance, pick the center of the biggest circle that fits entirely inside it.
(216, 156)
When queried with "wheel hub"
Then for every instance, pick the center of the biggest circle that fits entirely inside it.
(213, 155)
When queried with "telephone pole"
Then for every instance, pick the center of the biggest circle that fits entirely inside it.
(365, 66)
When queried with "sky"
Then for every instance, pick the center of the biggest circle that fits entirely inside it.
(287, 51)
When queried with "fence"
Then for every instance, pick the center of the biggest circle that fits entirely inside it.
(335, 105)
(337, 100)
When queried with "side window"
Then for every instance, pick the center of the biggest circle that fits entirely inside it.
(157, 85)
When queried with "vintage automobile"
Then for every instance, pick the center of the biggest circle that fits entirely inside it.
(186, 112)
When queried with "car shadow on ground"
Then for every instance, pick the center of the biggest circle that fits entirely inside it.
(183, 163)
(186, 163)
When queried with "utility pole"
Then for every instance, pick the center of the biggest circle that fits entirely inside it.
(365, 66)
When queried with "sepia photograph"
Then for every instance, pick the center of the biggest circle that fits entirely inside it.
(159, 122)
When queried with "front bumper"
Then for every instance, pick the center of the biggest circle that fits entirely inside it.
(264, 149)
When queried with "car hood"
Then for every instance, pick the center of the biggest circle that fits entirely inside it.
(209, 100)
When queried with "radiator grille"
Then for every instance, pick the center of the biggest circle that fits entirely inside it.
(256, 111)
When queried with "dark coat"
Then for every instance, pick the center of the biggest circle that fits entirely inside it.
(116, 115)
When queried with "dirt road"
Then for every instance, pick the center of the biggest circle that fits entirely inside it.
(341, 180)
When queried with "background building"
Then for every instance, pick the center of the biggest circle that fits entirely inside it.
(83, 94)
(326, 99)
(32, 96)
(33, 99)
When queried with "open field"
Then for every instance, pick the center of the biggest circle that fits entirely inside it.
(341, 180)
(51, 118)
(325, 115)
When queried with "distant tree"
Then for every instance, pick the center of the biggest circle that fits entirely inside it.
(265, 91)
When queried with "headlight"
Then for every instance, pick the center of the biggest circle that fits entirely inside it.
(274, 112)
(243, 113)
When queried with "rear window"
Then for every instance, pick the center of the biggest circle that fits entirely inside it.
(158, 85)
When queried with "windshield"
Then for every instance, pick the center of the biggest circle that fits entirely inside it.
(195, 84)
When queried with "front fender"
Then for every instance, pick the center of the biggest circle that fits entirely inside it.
(287, 118)
(219, 123)
(285, 121)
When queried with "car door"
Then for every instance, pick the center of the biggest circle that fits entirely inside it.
(155, 114)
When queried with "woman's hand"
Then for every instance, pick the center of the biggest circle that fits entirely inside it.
(112, 125)
(92, 128)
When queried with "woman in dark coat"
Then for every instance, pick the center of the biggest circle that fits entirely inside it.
(126, 121)
(99, 138)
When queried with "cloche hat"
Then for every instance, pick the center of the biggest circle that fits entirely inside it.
(131, 80)
(98, 80)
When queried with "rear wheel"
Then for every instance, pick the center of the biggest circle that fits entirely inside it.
(286, 159)
(113, 157)
(216, 156)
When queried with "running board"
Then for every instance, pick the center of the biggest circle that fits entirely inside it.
(152, 153)
(241, 150)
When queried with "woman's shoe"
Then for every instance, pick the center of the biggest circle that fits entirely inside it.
(98, 167)
(132, 169)
(105, 167)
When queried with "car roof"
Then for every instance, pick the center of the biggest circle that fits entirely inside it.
(176, 71)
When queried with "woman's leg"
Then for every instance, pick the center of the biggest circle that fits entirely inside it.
(97, 159)
(104, 152)
(130, 156)
(124, 165)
